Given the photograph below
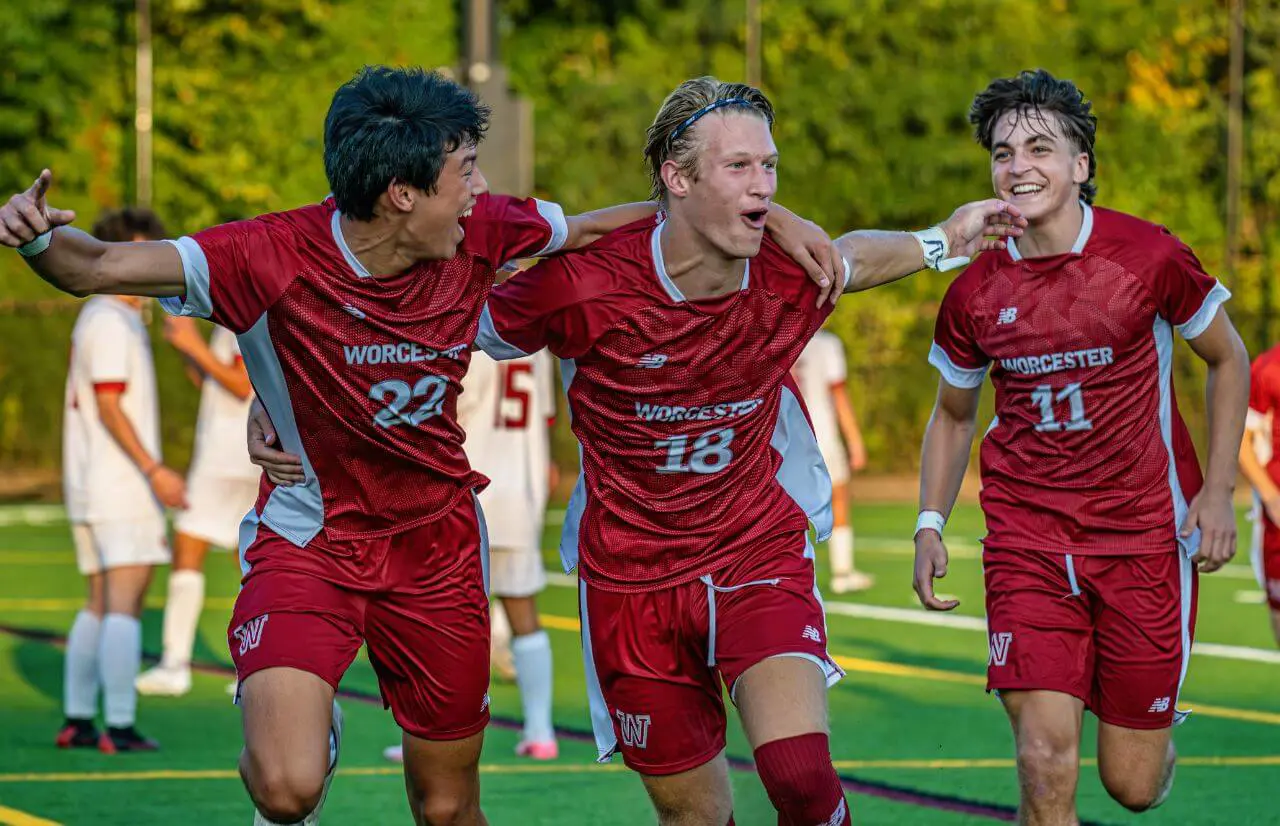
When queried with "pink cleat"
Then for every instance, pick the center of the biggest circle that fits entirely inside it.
(535, 750)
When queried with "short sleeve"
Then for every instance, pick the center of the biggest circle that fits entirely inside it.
(105, 345)
(501, 228)
(234, 272)
(955, 351)
(1185, 294)
(548, 305)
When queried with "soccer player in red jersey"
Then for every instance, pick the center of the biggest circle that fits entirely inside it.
(355, 318)
(1260, 463)
(700, 471)
(1097, 513)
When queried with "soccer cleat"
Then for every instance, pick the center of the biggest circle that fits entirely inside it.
(394, 754)
(127, 738)
(163, 681)
(538, 750)
(851, 582)
(77, 734)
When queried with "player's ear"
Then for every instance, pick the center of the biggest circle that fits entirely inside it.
(674, 178)
(1080, 174)
(400, 196)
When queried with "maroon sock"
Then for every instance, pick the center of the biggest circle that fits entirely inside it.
(801, 782)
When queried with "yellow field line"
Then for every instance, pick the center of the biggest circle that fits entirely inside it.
(75, 603)
(1008, 763)
(13, 817)
(232, 774)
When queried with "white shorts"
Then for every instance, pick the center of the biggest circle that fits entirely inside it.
(836, 459)
(119, 543)
(516, 572)
(218, 504)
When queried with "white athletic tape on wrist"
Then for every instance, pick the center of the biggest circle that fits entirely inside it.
(933, 243)
(930, 521)
(36, 245)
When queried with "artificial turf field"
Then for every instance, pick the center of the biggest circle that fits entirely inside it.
(913, 733)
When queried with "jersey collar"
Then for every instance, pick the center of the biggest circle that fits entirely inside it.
(1086, 229)
(660, 267)
(335, 224)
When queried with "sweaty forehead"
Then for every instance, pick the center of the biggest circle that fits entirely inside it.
(1018, 125)
(730, 132)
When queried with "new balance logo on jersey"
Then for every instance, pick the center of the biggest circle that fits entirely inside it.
(355, 311)
(404, 352)
(1000, 642)
(250, 634)
(1160, 705)
(635, 729)
(652, 361)
(1008, 315)
(811, 633)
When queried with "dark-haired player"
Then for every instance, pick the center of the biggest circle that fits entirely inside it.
(1097, 512)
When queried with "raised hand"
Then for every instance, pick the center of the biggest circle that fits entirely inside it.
(808, 245)
(28, 214)
(982, 225)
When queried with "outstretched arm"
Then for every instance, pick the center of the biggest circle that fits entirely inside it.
(878, 257)
(78, 263)
(591, 226)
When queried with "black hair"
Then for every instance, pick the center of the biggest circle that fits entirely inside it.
(129, 223)
(1035, 93)
(399, 124)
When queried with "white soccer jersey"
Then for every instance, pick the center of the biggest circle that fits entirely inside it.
(220, 449)
(504, 409)
(820, 366)
(109, 348)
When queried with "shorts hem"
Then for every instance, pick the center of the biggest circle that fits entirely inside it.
(667, 769)
(242, 675)
(453, 734)
(998, 686)
(1156, 724)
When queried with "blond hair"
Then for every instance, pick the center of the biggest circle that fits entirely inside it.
(673, 137)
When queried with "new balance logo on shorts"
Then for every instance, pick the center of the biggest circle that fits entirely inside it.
(1160, 705)
(250, 634)
(652, 360)
(635, 729)
(1000, 642)
(837, 817)
(811, 633)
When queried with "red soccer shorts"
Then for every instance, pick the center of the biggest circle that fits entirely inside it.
(655, 660)
(1266, 556)
(417, 599)
(1114, 631)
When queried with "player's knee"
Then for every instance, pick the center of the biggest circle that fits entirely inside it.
(801, 782)
(1047, 760)
(282, 793)
(444, 810)
(1136, 793)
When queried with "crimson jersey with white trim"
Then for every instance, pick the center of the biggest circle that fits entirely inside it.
(695, 444)
(1264, 403)
(1087, 453)
(359, 374)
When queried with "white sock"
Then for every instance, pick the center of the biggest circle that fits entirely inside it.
(181, 616)
(119, 656)
(80, 667)
(499, 627)
(841, 550)
(532, 653)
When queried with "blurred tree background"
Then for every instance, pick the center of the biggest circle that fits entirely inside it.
(871, 96)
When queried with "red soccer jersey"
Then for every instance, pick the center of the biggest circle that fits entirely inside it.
(359, 374)
(1264, 401)
(1087, 453)
(695, 445)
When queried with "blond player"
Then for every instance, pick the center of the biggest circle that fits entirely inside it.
(821, 372)
(506, 409)
(222, 486)
(115, 486)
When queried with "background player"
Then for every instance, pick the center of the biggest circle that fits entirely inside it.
(115, 486)
(1095, 507)
(700, 470)
(820, 372)
(1260, 464)
(221, 487)
(506, 409)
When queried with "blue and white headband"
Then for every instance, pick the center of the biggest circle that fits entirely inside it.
(706, 110)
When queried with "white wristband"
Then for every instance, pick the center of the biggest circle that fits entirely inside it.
(933, 243)
(930, 521)
(36, 245)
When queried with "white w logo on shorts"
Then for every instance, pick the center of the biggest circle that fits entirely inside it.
(250, 634)
(1000, 643)
(635, 729)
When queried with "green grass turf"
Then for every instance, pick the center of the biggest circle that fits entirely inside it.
(883, 724)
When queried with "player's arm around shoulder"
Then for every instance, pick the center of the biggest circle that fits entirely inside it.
(878, 257)
(76, 262)
(588, 227)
